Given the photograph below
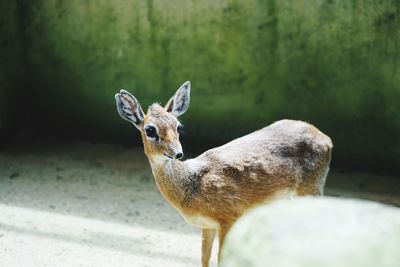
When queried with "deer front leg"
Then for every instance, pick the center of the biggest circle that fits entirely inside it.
(207, 236)
(223, 230)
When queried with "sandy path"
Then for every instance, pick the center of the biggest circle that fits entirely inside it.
(88, 206)
(97, 205)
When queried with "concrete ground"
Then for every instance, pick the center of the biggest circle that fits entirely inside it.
(97, 205)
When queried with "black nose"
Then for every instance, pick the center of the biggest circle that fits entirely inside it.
(179, 155)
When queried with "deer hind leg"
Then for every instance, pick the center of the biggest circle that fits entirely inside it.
(314, 184)
(323, 173)
(207, 238)
(322, 180)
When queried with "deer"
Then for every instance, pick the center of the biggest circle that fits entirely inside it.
(286, 159)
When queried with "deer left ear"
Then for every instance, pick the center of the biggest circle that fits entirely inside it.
(179, 103)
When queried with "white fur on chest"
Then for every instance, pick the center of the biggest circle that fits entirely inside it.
(200, 221)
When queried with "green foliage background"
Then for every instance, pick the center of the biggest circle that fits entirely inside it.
(332, 63)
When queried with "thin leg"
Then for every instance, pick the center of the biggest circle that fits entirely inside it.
(223, 230)
(207, 236)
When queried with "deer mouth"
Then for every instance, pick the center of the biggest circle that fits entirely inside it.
(168, 156)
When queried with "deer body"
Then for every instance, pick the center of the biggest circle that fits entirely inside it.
(288, 158)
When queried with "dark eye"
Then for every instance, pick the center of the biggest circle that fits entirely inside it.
(180, 128)
(151, 132)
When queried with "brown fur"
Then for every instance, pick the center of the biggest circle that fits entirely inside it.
(213, 190)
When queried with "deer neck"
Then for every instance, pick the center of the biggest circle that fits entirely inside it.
(172, 177)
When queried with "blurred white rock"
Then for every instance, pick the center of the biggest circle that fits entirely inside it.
(315, 232)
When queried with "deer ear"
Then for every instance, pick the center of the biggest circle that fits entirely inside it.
(129, 108)
(179, 103)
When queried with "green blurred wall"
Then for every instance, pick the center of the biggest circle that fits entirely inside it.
(332, 63)
(11, 64)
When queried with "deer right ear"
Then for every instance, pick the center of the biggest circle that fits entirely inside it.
(129, 108)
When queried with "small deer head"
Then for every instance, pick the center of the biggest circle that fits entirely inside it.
(160, 127)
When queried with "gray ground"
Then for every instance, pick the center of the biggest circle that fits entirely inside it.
(97, 205)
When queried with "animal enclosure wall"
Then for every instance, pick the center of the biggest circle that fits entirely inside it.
(332, 63)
